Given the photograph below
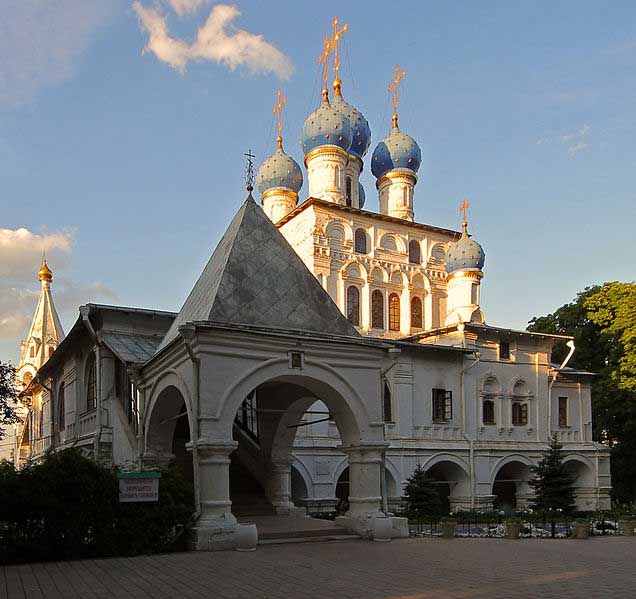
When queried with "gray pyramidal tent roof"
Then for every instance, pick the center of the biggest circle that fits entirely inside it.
(254, 277)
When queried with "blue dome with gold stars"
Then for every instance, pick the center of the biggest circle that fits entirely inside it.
(279, 170)
(361, 132)
(464, 254)
(397, 151)
(327, 126)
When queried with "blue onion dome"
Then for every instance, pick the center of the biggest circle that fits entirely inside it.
(279, 170)
(465, 254)
(327, 126)
(362, 197)
(359, 125)
(397, 151)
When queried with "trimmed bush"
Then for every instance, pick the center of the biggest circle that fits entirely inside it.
(67, 506)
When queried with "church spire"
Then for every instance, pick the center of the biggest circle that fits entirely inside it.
(45, 333)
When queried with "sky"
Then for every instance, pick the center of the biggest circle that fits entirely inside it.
(123, 126)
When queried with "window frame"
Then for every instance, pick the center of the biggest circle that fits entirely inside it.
(415, 248)
(442, 405)
(504, 354)
(420, 312)
(351, 299)
(394, 312)
(348, 191)
(90, 385)
(378, 311)
(519, 413)
(562, 407)
(493, 420)
(360, 241)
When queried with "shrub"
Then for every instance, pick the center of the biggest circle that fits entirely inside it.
(67, 507)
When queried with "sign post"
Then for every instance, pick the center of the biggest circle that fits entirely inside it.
(138, 486)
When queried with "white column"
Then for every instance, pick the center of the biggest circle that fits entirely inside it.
(365, 496)
(279, 487)
(279, 202)
(216, 525)
(326, 168)
(396, 193)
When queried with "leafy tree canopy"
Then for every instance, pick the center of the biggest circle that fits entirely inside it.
(8, 396)
(602, 320)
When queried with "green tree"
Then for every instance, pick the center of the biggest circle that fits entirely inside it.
(8, 396)
(421, 495)
(602, 320)
(552, 483)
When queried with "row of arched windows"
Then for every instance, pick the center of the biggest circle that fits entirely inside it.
(360, 246)
(377, 309)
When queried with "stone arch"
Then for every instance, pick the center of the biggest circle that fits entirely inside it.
(339, 232)
(520, 388)
(452, 474)
(393, 243)
(489, 385)
(398, 278)
(325, 383)
(510, 482)
(168, 430)
(379, 275)
(168, 378)
(301, 483)
(393, 477)
(438, 253)
(355, 270)
(584, 481)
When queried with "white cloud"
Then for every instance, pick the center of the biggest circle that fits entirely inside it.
(183, 7)
(217, 41)
(40, 42)
(574, 141)
(20, 258)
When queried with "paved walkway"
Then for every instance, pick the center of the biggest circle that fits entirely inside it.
(402, 569)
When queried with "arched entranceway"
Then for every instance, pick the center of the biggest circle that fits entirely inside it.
(510, 486)
(452, 482)
(168, 432)
(583, 481)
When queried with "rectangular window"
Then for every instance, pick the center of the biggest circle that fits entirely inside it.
(442, 405)
(519, 414)
(489, 412)
(504, 350)
(563, 411)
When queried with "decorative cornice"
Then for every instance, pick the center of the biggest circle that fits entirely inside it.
(466, 274)
(326, 151)
(280, 193)
(396, 175)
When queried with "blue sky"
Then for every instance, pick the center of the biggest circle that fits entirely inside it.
(129, 170)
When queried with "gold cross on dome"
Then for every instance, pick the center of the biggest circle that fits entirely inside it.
(463, 208)
(278, 111)
(394, 89)
(323, 59)
(335, 40)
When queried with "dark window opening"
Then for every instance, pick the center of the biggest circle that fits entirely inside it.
(415, 256)
(91, 382)
(563, 411)
(386, 403)
(348, 194)
(416, 313)
(504, 350)
(247, 416)
(519, 414)
(61, 409)
(296, 359)
(489, 412)
(353, 305)
(377, 310)
(360, 242)
(442, 405)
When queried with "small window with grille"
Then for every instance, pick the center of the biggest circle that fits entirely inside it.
(504, 350)
(442, 405)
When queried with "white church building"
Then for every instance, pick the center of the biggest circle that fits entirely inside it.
(323, 353)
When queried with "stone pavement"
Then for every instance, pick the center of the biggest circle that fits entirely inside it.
(402, 569)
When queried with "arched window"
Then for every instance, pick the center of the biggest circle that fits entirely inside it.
(32, 352)
(394, 312)
(348, 196)
(61, 409)
(377, 309)
(353, 305)
(26, 379)
(51, 350)
(488, 412)
(415, 254)
(91, 382)
(416, 313)
(360, 242)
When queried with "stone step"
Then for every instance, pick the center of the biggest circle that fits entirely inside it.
(303, 534)
(320, 539)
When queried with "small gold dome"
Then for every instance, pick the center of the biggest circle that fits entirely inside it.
(45, 273)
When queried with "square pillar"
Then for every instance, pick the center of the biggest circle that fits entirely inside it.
(216, 525)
